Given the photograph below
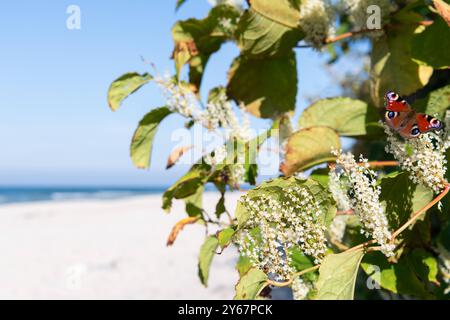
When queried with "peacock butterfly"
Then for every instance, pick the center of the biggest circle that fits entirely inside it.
(406, 121)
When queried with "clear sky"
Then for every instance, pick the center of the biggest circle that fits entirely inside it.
(55, 124)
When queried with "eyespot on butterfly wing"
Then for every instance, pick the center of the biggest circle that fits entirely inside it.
(394, 102)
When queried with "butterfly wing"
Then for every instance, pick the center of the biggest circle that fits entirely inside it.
(396, 103)
(427, 123)
(398, 113)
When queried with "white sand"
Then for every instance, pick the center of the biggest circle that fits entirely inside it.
(113, 249)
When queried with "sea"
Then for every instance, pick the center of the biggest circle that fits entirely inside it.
(10, 195)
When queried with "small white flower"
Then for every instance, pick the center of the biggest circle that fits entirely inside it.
(220, 114)
(423, 157)
(365, 199)
(178, 98)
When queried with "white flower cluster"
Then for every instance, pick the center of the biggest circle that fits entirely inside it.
(423, 157)
(365, 199)
(278, 224)
(219, 113)
(179, 99)
(316, 20)
(300, 288)
(359, 14)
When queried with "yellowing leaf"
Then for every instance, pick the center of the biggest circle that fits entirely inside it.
(178, 227)
(125, 85)
(141, 145)
(337, 275)
(175, 155)
(347, 116)
(309, 147)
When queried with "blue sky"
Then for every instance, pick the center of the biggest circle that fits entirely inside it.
(55, 125)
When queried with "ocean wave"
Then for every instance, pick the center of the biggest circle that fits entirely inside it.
(90, 195)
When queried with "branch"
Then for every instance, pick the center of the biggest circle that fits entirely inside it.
(351, 34)
(416, 215)
(376, 164)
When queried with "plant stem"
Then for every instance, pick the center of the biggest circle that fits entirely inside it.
(383, 163)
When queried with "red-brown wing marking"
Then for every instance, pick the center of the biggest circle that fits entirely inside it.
(396, 103)
(427, 123)
(407, 130)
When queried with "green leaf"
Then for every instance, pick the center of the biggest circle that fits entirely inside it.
(267, 87)
(424, 264)
(392, 67)
(431, 46)
(400, 278)
(299, 260)
(349, 117)
(259, 36)
(142, 142)
(220, 206)
(243, 265)
(250, 285)
(321, 175)
(125, 85)
(241, 213)
(402, 198)
(337, 276)
(225, 236)
(207, 252)
(436, 103)
(187, 185)
(194, 203)
(285, 12)
(196, 40)
(309, 147)
(179, 4)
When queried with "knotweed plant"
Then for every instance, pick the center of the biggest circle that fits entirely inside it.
(424, 157)
(365, 198)
(276, 225)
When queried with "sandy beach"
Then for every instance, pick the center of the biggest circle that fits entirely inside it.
(106, 249)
